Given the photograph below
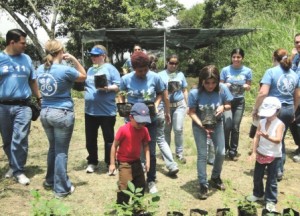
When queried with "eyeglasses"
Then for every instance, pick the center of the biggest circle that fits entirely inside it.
(92, 55)
(173, 63)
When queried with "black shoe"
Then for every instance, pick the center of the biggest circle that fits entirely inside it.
(297, 151)
(203, 192)
(279, 176)
(232, 155)
(217, 183)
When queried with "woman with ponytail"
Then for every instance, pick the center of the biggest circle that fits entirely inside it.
(281, 82)
(55, 81)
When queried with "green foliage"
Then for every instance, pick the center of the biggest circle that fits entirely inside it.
(191, 18)
(249, 207)
(137, 203)
(43, 207)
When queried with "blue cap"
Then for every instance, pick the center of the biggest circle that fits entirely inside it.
(140, 113)
(97, 51)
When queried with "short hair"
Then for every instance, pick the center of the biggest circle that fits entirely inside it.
(15, 35)
(209, 72)
(139, 60)
(281, 56)
(172, 56)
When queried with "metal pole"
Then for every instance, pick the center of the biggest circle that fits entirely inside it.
(164, 47)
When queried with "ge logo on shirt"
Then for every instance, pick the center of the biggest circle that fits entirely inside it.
(48, 84)
(286, 85)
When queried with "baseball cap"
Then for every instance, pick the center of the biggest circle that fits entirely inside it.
(269, 107)
(97, 51)
(140, 113)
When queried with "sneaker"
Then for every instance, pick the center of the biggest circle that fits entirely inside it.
(279, 176)
(173, 171)
(152, 187)
(91, 168)
(113, 173)
(22, 179)
(253, 198)
(232, 155)
(270, 206)
(296, 158)
(203, 192)
(297, 151)
(59, 196)
(217, 183)
(181, 159)
(47, 186)
(9, 173)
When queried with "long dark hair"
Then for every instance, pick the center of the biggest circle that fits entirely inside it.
(237, 51)
(209, 72)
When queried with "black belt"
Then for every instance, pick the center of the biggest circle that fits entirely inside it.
(130, 162)
(14, 102)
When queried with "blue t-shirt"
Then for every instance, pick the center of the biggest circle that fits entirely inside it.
(213, 99)
(98, 102)
(175, 76)
(282, 84)
(238, 76)
(55, 85)
(15, 73)
(137, 88)
(295, 64)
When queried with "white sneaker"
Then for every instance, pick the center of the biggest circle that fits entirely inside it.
(91, 168)
(152, 187)
(253, 198)
(22, 179)
(270, 206)
(9, 173)
(296, 158)
(113, 173)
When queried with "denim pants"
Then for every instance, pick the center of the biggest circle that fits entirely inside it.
(177, 120)
(217, 137)
(152, 128)
(295, 128)
(286, 115)
(15, 124)
(58, 125)
(161, 142)
(232, 122)
(271, 184)
(92, 124)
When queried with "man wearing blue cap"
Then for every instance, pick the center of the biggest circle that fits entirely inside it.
(127, 143)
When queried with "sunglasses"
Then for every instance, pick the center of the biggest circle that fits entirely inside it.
(92, 55)
(173, 63)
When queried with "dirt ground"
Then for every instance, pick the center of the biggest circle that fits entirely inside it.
(95, 192)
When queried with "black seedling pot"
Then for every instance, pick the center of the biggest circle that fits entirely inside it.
(124, 109)
(100, 81)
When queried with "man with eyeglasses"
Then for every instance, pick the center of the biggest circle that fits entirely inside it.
(17, 83)
(127, 67)
(295, 126)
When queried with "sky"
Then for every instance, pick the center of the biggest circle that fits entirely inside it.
(7, 23)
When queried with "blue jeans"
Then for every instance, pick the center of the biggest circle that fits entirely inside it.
(217, 137)
(58, 125)
(15, 123)
(161, 142)
(151, 175)
(177, 120)
(271, 184)
(232, 122)
(286, 115)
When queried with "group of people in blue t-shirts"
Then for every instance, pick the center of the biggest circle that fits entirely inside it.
(215, 105)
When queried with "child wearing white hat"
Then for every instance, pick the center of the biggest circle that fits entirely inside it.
(267, 145)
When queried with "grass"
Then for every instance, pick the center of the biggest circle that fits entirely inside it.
(95, 192)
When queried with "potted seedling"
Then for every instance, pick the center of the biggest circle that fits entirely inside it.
(294, 203)
(197, 212)
(174, 213)
(246, 208)
(208, 117)
(224, 212)
(173, 86)
(100, 81)
(124, 108)
(138, 205)
(78, 86)
(149, 103)
(265, 212)
(236, 89)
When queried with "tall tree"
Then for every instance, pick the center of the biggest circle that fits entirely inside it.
(191, 18)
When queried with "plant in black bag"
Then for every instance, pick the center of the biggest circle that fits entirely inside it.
(35, 108)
